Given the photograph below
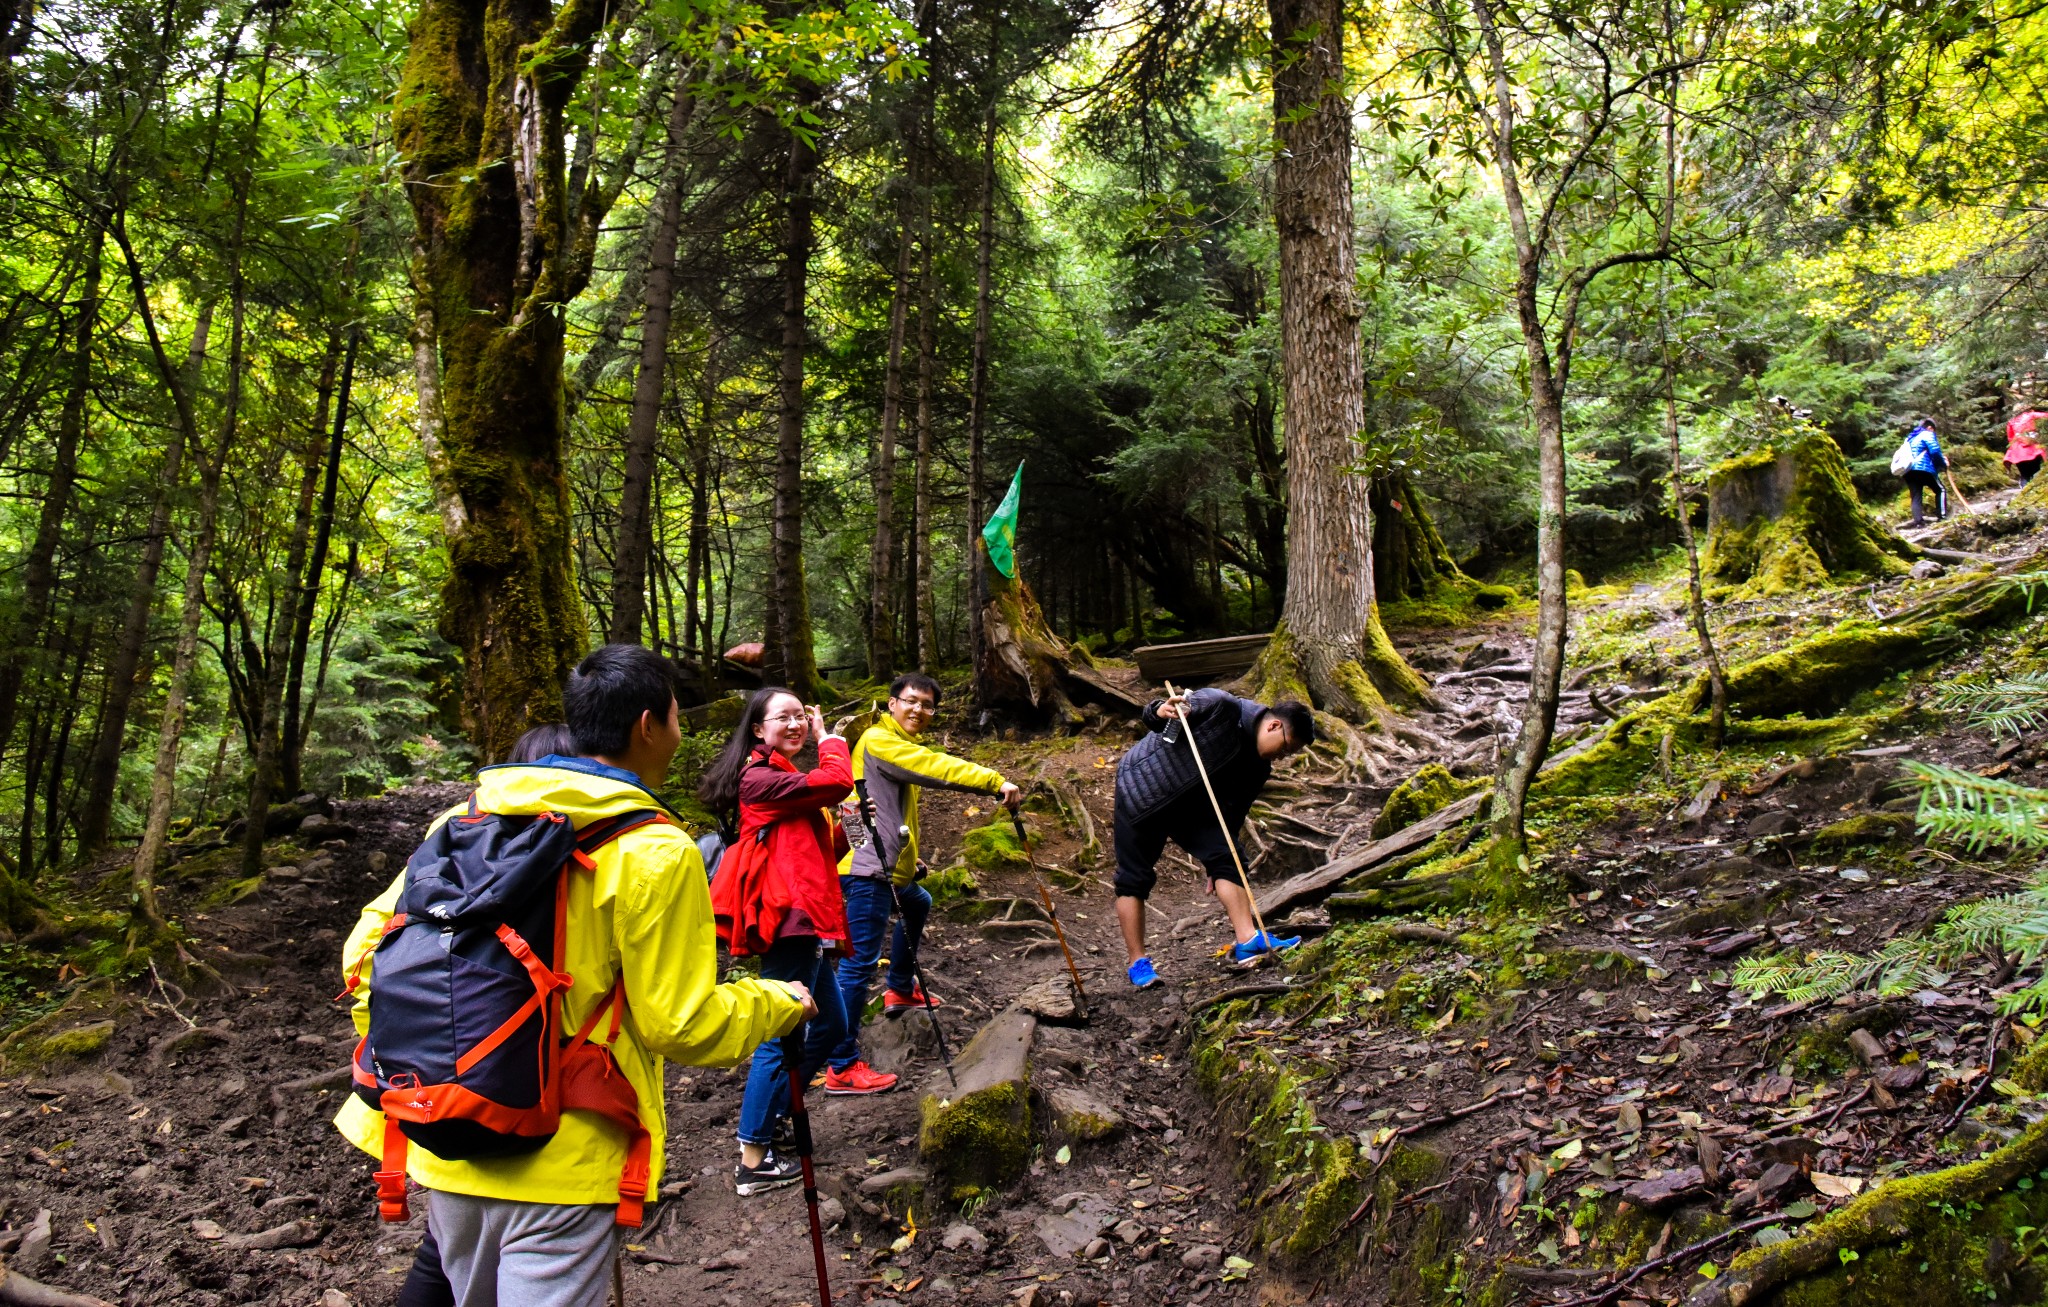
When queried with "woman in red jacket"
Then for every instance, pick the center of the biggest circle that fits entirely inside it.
(777, 896)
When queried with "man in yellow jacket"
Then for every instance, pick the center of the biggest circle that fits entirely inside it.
(894, 765)
(537, 1229)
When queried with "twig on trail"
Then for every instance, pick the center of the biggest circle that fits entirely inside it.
(1243, 991)
(1593, 698)
(1459, 1113)
(1528, 1018)
(1983, 1082)
(1417, 932)
(177, 1039)
(1671, 1259)
(1829, 1112)
(1311, 1009)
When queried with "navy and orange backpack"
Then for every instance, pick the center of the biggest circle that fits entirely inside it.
(466, 1055)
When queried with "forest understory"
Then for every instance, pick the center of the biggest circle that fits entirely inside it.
(1442, 1097)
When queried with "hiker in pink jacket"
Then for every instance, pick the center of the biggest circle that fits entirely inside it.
(2021, 449)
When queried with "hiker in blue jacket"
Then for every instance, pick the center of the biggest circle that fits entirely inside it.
(1928, 463)
(1159, 796)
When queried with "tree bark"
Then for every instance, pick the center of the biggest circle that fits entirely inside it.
(296, 722)
(480, 124)
(1328, 645)
(38, 571)
(977, 404)
(882, 550)
(643, 427)
(924, 621)
(789, 659)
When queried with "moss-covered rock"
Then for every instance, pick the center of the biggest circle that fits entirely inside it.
(975, 1134)
(953, 886)
(1428, 791)
(1864, 828)
(1079, 1116)
(993, 847)
(77, 1042)
(1787, 519)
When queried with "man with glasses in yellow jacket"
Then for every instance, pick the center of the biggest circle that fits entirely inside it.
(894, 765)
(537, 1229)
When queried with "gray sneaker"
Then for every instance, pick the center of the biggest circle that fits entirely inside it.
(774, 1172)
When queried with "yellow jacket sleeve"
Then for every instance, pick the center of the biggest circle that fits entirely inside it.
(668, 952)
(362, 947)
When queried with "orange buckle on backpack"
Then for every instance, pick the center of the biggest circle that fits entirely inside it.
(391, 1204)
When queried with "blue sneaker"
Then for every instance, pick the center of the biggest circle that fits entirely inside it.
(1258, 946)
(1142, 975)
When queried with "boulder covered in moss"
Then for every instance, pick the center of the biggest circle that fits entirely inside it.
(1424, 794)
(975, 1134)
(1864, 828)
(1781, 520)
(1080, 1117)
(76, 1043)
(993, 847)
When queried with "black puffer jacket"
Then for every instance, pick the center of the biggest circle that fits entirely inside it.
(1160, 768)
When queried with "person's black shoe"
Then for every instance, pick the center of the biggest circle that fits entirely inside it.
(774, 1172)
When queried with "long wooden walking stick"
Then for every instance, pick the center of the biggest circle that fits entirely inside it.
(1244, 877)
(800, 1123)
(1045, 898)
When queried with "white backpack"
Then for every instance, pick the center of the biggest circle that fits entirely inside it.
(1902, 457)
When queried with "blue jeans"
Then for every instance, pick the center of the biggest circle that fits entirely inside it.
(766, 1100)
(869, 906)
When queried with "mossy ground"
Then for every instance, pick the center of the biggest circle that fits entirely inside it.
(1819, 534)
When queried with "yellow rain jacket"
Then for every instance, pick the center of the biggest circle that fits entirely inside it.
(644, 912)
(895, 766)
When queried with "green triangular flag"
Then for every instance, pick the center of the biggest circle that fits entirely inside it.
(1000, 535)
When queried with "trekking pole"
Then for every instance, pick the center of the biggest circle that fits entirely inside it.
(931, 1011)
(1045, 897)
(1959, 491)
(800, 1124)
(1230, 840)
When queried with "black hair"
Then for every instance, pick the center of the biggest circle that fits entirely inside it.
(1296, 717)
(540, 742)
(608, 692)
(720, 788)
(915, 681)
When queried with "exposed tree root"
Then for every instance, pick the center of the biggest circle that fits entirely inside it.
(1888, 1215)
(17, 1290)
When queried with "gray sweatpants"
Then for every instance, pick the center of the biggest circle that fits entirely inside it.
(501, 1253)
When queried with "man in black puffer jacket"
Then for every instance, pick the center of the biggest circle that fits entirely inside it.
(1159, 796)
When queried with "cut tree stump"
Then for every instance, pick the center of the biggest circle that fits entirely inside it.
(1196, 660)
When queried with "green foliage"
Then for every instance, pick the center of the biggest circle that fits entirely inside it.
(2012, 706)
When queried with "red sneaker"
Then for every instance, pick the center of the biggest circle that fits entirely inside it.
(860, 1078)
(895, 1004)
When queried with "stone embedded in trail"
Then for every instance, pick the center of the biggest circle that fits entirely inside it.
(1080, 1116)
(1202, 1257)
(1065, 1236)
(1666, 1189)
(964, 1235)
(900, 1189)
(976, 1135)
(1769, 824)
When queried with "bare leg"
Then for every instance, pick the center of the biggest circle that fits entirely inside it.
(1130, 914)
(1232, 896)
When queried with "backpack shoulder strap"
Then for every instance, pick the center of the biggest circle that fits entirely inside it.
(603, 831)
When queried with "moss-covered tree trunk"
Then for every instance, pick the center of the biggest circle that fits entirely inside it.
(1328, 645)
(479, 122)
(1408, 555)
(1787, 518)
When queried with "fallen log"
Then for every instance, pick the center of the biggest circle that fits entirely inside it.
(1313, 886)
(1200, 659)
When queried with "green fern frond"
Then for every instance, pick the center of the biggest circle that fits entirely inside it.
(2007, 707)
(1978, 812)
(1898, 968)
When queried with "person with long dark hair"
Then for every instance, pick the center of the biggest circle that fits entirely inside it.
(777, 897)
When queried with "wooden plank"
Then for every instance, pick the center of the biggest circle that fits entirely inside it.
(1221, 657)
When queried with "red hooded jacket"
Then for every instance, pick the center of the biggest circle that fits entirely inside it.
(781, 876)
